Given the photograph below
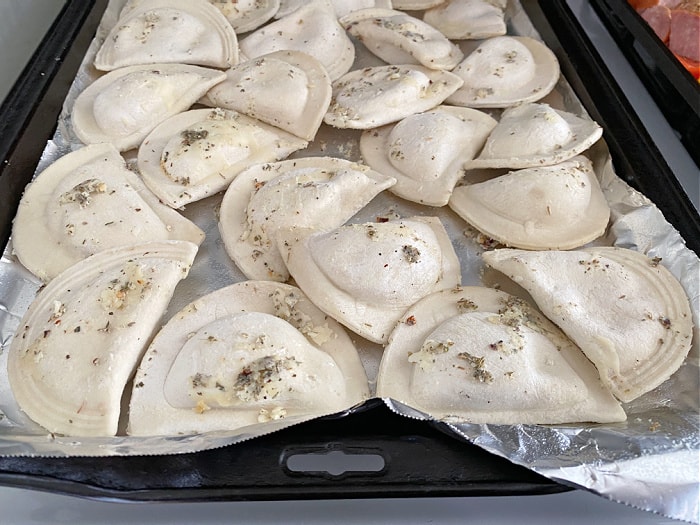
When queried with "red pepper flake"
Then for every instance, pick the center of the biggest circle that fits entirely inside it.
(410, 321)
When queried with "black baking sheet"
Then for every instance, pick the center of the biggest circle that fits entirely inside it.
(416, 458)
(673, 88)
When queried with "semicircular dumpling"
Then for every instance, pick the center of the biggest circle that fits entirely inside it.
(374, 96)
(399, 38)
(467, 19)
(629, 314)
(555, 207)
(83, 335)
(312, 29)
(426, 151)
(367, 275)
(85, 202)
(124, 106)
(535, 134)
(287, 89)
(247, 15)
(496, 361)
(505, 71)
(315, 192)
(199, 152)
(252, 352)
(340, 7)
(169, 31)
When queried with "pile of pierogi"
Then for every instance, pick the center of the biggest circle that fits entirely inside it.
(195, 98)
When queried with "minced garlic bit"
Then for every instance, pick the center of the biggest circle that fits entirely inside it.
(426, 356)
(117, 294)
(82, 193)
(477, 363)
(262, 379)
(266, 415)
(284, 305)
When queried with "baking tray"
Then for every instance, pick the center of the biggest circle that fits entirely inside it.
(409, 457)
(673, 88)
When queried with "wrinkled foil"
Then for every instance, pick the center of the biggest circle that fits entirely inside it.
(650, 461)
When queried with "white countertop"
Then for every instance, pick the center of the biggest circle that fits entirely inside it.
(22, 24)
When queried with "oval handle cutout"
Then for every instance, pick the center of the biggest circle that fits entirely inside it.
(335, 463)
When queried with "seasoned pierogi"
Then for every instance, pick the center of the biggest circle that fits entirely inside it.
(85, 202)
(399, 38)
(83, 335)
(367, 275)
(169, 31)
(287, 89)
(505, 71)
(629, 314)
(124, 106)
(314, 192)
(478, 355)
(557, 207)
(375, 96)
(199, 152)
(426, 152)
(312, 29)
(468, 19)
(253, 352)
(535, 134)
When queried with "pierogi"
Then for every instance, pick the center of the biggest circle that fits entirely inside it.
(312, 29)
(83, 335)
(249, 353)
(367, 275)
(199, 152)
(169, 31)
(314, 192)
(557, 207)
(426, 152)
(123, 106)
(287, 89)
(85, 202)
(374, 96)
(629, 314)
(505, 71)
(399, 38)
(468, 19)
(478, 355)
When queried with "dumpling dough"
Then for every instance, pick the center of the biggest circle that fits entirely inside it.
(398, 38)
(374, 96)
(504, 71)
(124, 106)
(315, 192)
(367, 275)
(549, 208)
(169, 31)
(468, 19)
(253, 352)
(478, 355)
(312, 29)
(426, 152)
(83, 335)
(247, 15)
(340, 7)
(535, 134)
(628, 313)
(199, 152)
(85, 202)
(287, 89)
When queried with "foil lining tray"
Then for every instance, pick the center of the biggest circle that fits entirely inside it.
(650, 461)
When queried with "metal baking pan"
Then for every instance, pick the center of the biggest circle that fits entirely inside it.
(407, 457)
(673, 88)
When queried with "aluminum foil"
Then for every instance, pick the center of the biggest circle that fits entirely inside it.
(650, 461)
